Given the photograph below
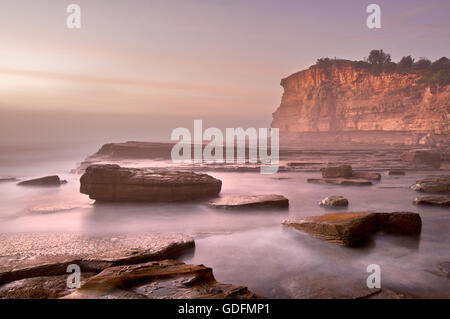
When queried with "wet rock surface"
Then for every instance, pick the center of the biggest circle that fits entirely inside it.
(334, 201)
(111, 267)
(351, 229)
(340, 181)
(52, 180)
(159, 279)
(45, 287)
(115, 183)
(250, 201)
(435, 200)
(434, 184)
(26, 255)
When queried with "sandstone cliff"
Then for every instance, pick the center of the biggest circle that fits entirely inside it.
(344, 103)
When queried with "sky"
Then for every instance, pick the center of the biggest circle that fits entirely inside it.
(218, 59)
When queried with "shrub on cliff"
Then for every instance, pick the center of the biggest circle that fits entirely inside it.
(406, 63)
(441, 64)
(378, 57)
(422, 64)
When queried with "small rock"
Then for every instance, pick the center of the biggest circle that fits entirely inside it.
(250, 201)
(52, 180)
(395, 172)
(7, 179)
(350, 229)
(340, 181)
(436, 200)
(334, 201)
(337, 171)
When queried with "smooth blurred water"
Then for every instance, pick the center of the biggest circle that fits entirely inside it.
(251, 248)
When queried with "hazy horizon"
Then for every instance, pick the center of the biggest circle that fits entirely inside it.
(163, 64)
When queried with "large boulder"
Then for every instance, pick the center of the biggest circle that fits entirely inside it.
(52, 180)
(250, 201)
(337, 171)
(350, 229)
(428, 157)
(334, 201)
(114, 183)
(432, 184)
(435, 200)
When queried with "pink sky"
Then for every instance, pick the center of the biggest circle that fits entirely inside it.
(208, 57)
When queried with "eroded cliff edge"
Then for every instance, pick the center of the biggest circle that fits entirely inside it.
(345, 104)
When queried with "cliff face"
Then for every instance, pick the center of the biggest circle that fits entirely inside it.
(343, 103)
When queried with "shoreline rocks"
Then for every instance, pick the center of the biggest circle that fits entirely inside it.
(352, 229)
(126, 267)
(334, 201)
(111, 182)
(250, 202)
(435, 200)
(52, 180)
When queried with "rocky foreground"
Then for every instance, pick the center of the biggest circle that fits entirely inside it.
(35, 266)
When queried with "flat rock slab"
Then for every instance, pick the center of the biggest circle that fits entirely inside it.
(350, 229)
(436, 200)
(340, 181)
(7, 179)
(250, 201)
(52, 180)
(438, 184)
(334, 201)
(28, 256)
(159, 280)
(115, 183)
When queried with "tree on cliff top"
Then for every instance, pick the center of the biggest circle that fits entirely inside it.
(406, 62)
(378, 57)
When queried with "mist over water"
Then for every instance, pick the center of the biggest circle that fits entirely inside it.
(248, 248)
